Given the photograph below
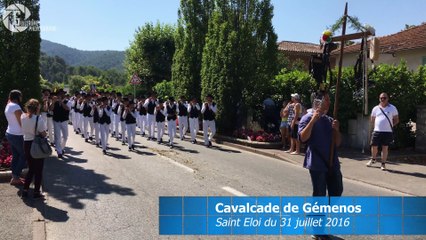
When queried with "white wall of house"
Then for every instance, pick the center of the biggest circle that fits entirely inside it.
(414, 58)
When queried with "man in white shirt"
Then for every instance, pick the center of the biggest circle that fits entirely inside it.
(384, 117)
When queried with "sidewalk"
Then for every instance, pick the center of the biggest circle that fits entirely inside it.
(19, 219)
(401, 176)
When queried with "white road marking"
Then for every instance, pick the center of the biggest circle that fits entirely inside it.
(188, 169)
(235, 192)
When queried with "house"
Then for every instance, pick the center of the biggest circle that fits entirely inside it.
(300, 51)
(409, 45)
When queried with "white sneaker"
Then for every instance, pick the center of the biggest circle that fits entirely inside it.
(383, 167)
(371, 162)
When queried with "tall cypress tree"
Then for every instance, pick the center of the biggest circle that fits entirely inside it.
(190, 40)
(19, 58)
(239, 58)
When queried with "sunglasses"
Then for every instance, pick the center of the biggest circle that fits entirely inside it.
(383, 98)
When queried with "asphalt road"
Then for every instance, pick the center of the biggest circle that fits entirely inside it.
(93, 196)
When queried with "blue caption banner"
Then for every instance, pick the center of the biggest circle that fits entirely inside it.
(292, 215)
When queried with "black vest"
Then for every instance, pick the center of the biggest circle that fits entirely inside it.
(86, 110)
(159, 117)
(129, 118)
(76, 109)
(142, 110)
(183, 111)
(105, 118)
(171, 112)
(151, 107)
(59, 113)
(96, 116)
(115, 110)
(194, 113)
(209, 115)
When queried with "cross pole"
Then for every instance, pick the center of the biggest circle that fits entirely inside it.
(339, 76)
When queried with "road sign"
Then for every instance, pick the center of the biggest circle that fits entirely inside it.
(135, 80)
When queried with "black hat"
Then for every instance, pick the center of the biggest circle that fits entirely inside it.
(172, 99)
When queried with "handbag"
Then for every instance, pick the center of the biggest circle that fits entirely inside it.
(40, 148)
(393, 139)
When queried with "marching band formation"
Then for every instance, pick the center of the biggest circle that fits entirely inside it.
(97, 115)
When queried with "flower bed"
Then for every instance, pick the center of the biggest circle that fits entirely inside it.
(5, 155)
(257, 136)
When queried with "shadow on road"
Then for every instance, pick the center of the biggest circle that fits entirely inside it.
(182, 149)
(48, 212)
(224, 149)
(71, 183)
(414, 174)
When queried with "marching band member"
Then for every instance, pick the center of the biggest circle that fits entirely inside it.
(171, 111)
(150, 105)
(182, 117)
(142, 119)
(121, 108)
(115, 116)
(129, 115)
(60, 109)
(96, 125)
(105, 114)
(209, 110)
(194, 113)
(86, 108)
(160, 118)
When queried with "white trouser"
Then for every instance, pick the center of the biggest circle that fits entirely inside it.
(104, 129)
(171, 129)
(131, 133)
(61, 135)
(160, 130)
(123, 131)
(74, 120)
(150, 118)
(96, 126)
(86, 122)
(79, 119)
(206, 126)
(44, 117)
(183, 125)
(115, 123)
(50, 129)
(142, 123)
(194, 126)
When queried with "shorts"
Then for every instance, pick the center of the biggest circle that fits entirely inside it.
(284, 124)
(381, 138)
(294, 131)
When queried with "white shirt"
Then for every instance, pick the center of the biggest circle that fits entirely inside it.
(13, 126)
(381, 124)
(28, 126)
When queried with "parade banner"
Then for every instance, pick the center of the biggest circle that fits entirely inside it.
(292, 215)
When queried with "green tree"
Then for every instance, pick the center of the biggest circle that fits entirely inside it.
(164, 89)
(190, 40)
(150, 54)
(239, 58)
(19, 59)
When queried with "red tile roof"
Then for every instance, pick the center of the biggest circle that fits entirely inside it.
(299, 47)
(409, 39)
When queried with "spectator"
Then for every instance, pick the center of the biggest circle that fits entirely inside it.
(32, 124)
(284, 128)
(294, 116)
(381, 116)
(15, 136)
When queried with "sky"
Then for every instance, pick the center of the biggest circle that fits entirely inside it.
(111, 24)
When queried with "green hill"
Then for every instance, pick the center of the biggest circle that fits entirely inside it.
(101, 59)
